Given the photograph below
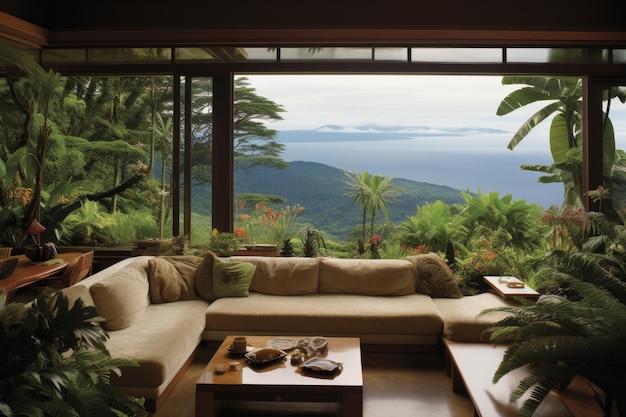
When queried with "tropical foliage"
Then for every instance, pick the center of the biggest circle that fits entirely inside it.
(564, 100)
(54, 362)
(563, 338)
(68, 140)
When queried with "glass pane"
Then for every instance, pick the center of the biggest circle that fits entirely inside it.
(391, 54)
(322, 53)
(557, 55)
(201, 157)
(63, 56)
(129, 55)
(450, 55)
(619, 56)
(417, 130)
(225, 54)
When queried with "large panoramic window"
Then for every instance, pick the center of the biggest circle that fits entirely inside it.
(436, 136)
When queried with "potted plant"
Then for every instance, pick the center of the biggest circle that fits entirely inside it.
(54, 362)
(225, 243)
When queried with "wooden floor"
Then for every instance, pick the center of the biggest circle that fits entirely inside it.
(398, 385)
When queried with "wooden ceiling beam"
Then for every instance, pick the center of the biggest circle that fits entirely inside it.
(21, 34)
(336, 37)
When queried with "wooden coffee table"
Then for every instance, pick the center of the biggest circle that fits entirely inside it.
(282, 381)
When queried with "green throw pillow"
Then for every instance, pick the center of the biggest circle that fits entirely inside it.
(232, 279)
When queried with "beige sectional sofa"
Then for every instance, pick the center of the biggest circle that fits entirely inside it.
(157, 310)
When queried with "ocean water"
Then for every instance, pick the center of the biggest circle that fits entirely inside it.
(478, 164)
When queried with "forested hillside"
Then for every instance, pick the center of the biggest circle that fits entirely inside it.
(321, 190)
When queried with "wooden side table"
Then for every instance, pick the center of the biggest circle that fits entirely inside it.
(499, 285)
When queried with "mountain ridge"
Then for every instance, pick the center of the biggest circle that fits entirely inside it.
(321, 190)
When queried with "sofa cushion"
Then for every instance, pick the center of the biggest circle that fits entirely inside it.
(160, 341)
(284, 276)
(326, 314)
(366, 276)
(232, 279)
(172, 278)
(122, 297)
(461, 320)
(433, 277)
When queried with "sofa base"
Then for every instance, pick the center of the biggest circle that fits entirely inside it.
(153, 404)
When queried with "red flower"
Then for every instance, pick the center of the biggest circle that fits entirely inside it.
(375, 240)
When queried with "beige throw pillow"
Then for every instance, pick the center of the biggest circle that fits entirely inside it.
(122, 297)
(172, 278)
(433, 277)
(204, 277)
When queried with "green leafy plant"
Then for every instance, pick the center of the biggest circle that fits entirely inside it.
(434, 225)
(225, 243)
(313, 244)
(55, 363)
(563, 338)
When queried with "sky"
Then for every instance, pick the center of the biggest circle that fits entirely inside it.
(312, 101)
(438, 102)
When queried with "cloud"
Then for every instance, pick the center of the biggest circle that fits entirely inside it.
(311, 101)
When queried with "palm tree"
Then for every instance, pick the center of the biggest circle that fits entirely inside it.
(372, 193)
(379, 193)
(357, 190)
(564, 95)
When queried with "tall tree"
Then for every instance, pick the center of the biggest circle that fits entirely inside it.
(255, 144)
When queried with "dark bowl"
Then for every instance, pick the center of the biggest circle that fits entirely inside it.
(41, 253)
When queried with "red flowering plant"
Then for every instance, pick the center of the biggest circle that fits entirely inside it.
(570, 226)
(419, 250)
(278, 225)
(491, 254)
(374, 243)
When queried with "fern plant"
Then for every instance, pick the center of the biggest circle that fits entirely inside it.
(53, 362)
(570, 338)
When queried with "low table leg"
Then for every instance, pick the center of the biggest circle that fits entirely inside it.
(205, 404)
(352, 404)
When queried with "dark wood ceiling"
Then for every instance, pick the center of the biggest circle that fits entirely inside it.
(67, 15)
(111, 22)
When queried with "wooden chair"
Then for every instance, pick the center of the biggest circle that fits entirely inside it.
(77, 270)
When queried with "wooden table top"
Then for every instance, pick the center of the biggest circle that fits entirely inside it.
(28, 272)
(344, 350)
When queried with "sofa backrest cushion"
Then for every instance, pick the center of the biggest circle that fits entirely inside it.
(284, 276)
(366, 276)
(433, 277)
(172, 278)
(122, 297)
